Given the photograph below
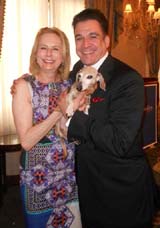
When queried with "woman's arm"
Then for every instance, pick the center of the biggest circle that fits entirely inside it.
(22, 112)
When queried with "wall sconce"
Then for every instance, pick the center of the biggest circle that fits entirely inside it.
(141, 18)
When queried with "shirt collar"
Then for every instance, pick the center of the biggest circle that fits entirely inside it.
(99, 63)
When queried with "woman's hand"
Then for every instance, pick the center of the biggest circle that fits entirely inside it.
(62, 104)
(79, 103)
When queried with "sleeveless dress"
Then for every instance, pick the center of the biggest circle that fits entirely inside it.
(47, 175)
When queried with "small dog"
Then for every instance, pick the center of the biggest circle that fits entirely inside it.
(87, 79)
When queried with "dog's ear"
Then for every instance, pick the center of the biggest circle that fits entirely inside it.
(77, 75)
(101, 81)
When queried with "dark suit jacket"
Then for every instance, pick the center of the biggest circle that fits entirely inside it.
(114, 180)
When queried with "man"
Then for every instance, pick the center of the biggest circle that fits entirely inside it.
(114, 180)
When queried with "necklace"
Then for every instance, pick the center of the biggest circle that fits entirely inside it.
(54, 87)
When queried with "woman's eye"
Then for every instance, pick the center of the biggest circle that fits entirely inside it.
(43, 48)
(55, 49)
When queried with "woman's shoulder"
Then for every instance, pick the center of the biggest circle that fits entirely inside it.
(22, 82)
(28, 77)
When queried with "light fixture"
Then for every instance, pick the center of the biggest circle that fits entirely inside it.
(150, 2)
(157, 15)
(128, 8)
(151, 9)
(141, 17)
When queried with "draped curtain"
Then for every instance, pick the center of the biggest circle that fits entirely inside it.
(153, 54)
(23, 18)
(98, 4)
(113, 10)
(2, 11)
(153, 50)
(62, 13)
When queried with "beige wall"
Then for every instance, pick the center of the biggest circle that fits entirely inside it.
(133, 53)
(133, 50)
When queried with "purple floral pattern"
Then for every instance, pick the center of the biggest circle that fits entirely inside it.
(61, 218)
(48, 175)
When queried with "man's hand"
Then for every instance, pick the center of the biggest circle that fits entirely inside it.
(13, 87)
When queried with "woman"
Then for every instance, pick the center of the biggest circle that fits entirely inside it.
(48, 186)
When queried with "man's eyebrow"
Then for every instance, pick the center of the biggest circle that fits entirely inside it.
(90, 34)
(78, 35)
(94, 33)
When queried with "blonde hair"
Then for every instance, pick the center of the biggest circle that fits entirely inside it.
(64, 68)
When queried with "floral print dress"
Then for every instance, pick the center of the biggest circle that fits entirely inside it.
(47, 175)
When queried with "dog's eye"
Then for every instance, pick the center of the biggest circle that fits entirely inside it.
(78, 76)
(89, 76)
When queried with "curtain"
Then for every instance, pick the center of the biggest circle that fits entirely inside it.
(62, 13)
(23, 18)
(153, 50)
(98, 4)
(153, 54)
(2, 11)
(113, 10)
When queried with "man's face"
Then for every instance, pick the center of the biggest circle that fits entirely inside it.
(91, 43)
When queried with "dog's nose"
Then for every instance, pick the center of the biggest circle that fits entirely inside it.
(79, 86)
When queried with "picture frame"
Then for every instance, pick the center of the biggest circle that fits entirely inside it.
(150, 122)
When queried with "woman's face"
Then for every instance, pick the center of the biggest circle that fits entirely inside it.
(49, 52)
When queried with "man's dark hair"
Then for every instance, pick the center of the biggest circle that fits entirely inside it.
(91, 14)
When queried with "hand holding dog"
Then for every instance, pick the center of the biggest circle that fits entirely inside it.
(79, 103)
